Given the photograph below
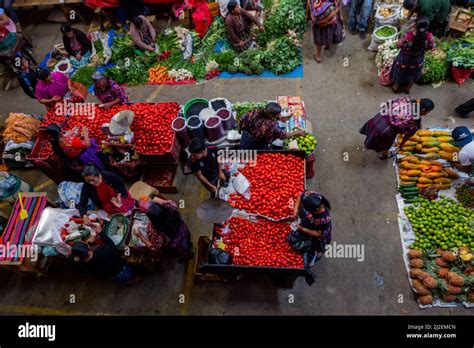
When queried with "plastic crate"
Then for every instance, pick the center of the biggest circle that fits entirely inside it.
(262, 270)
(162, 177)
(169, 157)
(42, 141)
(202, 258)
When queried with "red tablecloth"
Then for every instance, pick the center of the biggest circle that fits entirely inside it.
(115, 3)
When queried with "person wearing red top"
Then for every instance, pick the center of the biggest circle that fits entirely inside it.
(75, 150)
(106, 190)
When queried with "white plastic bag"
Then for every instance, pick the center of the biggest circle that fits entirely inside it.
(48, 232)
(390, 20)
(241, 185)
(188, 50)
(104, 38)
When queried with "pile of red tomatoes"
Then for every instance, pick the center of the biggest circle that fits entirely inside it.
(151, 126)
(276, 180)
(260, 243)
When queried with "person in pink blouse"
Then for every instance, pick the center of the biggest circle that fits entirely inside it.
(51, 87)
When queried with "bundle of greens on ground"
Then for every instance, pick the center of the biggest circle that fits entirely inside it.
(436, 66)
(287, 15)
(278, 49)
(461, 53)
(130, 62)
(281, 56)
(84, 75)
(248, 62)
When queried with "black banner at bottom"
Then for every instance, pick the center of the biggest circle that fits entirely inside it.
(209, 330)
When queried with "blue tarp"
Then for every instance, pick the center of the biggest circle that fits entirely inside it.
(222, 45)
(298, 72)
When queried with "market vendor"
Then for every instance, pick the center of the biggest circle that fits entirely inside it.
(143, 34)
(239, 23)
(8, 35)
(463, 138)
(106, 190)
(103, 261)
(108, 91)
(166, 229)
(51, 87)
(27, 76)
(77, 45)
(399, 116)
(71, 146)
(408, 65)
(259, 128)
(205, 166)
(437, 12)
(315, 221)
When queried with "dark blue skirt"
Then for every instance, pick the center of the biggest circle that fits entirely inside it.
(407, 68)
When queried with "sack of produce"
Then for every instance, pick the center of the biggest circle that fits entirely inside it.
(14, 155)
(101, 52)
(20, 128)
(460, 75)
(384, 77)
(387, 15)
(381, 35)
(64, 66)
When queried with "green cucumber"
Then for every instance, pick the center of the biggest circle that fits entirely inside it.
(411, 200)
(410, 195)
(409, 189)
(407, 185)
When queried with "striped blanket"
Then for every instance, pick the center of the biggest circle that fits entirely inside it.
(16, 231)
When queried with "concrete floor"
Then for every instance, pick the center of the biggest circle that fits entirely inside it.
(362, 193)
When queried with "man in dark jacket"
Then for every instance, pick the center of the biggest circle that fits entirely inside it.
(102, 261)
(77, 45)
(238, 23)
(437, 12)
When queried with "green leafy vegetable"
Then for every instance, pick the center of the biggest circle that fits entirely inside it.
(385, 31)
(84, 75)
(242, 108)
(435, 68)
(288, 15)
(281, 56)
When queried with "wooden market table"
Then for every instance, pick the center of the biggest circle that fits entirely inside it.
(65, 5)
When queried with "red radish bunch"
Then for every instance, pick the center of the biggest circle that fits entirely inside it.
(164, 55)
(260, 243)
(151, 126)
(275, 183)
(211, 74)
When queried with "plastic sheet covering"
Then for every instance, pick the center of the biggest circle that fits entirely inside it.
(48, 232)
